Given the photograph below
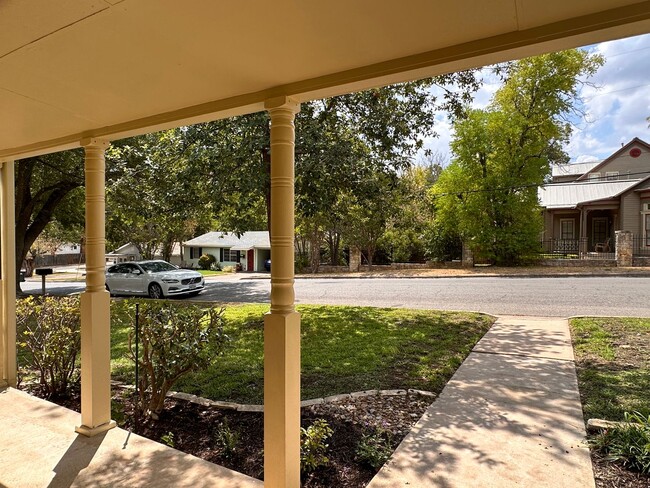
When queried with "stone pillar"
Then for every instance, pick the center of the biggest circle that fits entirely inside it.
(355, 259)
(8, 278)
(282, 324)
(95, 302)
(624, 251)
(468, 256)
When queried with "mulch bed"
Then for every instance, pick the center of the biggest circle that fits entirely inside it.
(196, 429)
(612, 475)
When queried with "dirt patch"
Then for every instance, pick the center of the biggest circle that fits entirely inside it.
(236, 439)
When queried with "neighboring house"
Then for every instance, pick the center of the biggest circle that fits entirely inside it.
(251, 250)
(590, 201)
(62, 255)
(130, 252)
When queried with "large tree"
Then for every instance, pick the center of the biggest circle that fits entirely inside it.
(502, 153)
(47, 188)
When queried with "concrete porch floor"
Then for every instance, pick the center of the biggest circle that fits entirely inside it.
(39, 448)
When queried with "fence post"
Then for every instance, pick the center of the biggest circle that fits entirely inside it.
(624, 250)
(468, 256)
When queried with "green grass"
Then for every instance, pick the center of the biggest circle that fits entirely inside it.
(613, 363)
(209, 272)
(344, 349)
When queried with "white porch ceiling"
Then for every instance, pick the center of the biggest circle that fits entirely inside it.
(109, 68)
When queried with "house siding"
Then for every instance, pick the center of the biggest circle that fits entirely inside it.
(631, 213)
(626, 164)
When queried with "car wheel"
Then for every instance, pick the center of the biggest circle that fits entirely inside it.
(155, 291)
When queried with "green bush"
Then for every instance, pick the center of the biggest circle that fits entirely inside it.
(227, 439)
(175, 339)
(375, 449)
(48, 330)
(628, 444)
(441, 245)
(313, 446)
(206, 261)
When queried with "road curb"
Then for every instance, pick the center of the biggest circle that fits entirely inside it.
(532, 275)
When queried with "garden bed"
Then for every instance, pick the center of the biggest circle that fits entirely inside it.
(613, 365)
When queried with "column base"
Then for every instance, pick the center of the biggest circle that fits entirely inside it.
(93, 431)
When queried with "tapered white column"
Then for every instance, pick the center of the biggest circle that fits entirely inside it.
(95, 302)
(8, 278)
(282, 324)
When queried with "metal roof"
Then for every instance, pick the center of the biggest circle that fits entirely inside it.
(564, 195)
(572, 169)
(248, 240)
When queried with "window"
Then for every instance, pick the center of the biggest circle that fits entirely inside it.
(594, 176)
(611, 175)
(196, 252)
(229, 255)
(567, 228)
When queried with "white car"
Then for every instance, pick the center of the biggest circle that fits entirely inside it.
(156, 279)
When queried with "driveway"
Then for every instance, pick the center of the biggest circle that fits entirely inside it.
(549, 296)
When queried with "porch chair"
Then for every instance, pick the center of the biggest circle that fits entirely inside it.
(603, 246)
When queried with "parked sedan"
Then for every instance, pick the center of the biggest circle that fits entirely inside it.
(156, 279)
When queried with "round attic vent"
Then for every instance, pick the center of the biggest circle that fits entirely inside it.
(635, 152)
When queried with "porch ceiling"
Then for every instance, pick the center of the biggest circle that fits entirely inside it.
(113, 68)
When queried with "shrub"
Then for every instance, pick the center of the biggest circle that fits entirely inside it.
(227, 439)
(628, 444)
(48, 329)
(228, 269)
(375, 449)
(313, 446)
(206, 261)
(174, 340)
(216, 266)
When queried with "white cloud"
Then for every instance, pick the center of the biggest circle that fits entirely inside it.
(616, 107)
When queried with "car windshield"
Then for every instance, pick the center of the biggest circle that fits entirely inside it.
(157, 267)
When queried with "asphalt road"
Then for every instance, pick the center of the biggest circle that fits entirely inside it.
(555, 296)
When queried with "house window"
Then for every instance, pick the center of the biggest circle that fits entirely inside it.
(646, 227)
(611, 175)
(594, 176)
(196, 252)
(567, 228)
(230, 255)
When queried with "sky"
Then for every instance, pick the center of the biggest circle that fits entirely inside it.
(617, 107)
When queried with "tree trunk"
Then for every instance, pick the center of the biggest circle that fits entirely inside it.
(314, 247)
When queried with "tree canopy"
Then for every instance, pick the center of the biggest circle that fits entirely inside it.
(488, 194)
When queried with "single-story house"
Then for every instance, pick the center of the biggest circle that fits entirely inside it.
(590, 201)
(251, 249)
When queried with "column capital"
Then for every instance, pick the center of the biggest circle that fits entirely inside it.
(282, 102)
(94, 142)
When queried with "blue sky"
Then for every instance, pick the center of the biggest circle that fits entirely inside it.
(617, 107)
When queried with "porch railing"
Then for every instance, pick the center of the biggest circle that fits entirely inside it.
(641, 246)
(581, 248)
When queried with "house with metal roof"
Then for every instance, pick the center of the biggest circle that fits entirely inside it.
(251, 250)
(588, 202)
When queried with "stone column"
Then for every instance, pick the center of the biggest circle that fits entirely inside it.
(468, 256)
(282, 324)
(624, 250)
(355, 259)
(95, 302)
(8, 278)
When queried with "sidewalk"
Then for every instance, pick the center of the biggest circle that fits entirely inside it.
(510, 416)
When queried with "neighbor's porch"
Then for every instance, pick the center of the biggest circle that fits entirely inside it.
(587, 232)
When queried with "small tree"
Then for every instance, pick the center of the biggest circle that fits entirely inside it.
(48, 330)
(174, 340)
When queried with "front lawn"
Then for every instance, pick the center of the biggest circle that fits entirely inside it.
(613, 364)
(344, 349)
(210, 272)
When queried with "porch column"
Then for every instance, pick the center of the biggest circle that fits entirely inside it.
(95, 302)
(8, 277)
(282, 324)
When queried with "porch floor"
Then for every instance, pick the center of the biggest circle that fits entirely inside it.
(39, 448)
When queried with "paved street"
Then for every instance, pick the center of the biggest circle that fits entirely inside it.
(556, 297)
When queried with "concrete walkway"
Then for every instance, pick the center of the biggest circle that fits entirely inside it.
(510, 416)
(39, 448)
